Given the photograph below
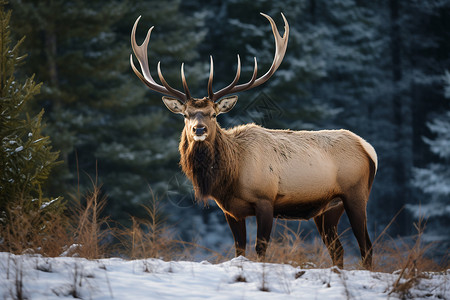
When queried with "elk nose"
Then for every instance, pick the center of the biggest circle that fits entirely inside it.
(199, 130)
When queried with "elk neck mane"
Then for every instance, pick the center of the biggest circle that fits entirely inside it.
(211, 165)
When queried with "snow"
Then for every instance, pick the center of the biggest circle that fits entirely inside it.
(115, 278)
(46, 204)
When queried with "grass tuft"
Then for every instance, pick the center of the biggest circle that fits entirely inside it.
(149, 237)
(291, 246)
(88, 229)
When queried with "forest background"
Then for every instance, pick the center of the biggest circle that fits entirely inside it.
(378, 68)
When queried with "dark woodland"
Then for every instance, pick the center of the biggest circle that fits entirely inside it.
(378, 68)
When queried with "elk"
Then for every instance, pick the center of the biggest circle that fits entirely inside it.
(249, 170)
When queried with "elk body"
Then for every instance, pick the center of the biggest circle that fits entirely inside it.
(253, 171)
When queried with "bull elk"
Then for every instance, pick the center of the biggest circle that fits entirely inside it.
(253, 171)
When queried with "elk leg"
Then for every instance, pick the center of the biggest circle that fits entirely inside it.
(327, 226)
(356, 212)
(239, 233)
(264, 220)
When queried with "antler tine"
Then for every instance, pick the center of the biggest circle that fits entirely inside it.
(280, 50)
(170, 89)
(232, 88)
(210, 80)
(249, 84)
(225, 90)
(141, 55)
(185, 86)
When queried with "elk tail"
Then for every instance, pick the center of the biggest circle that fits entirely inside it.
(373, 160)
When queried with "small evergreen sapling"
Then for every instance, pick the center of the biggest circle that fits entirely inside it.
(26, 155)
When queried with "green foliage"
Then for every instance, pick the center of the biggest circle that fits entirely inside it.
(26, 156)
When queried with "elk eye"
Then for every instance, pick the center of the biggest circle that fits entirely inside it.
(214, 115)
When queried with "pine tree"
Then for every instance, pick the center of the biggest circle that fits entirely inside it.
(26, 156)
(419, 48)
(99, 111)
(434, 179)
(72, 49)
(138, 147)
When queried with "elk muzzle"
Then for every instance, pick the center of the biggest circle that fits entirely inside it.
(199, 132)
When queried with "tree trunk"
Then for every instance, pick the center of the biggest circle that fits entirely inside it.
(400, 109)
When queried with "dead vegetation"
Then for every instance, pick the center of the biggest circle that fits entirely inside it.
(29, 232)
(78, 232)
(82, 232)
(149, 237)
(292, 246)
(85, 233)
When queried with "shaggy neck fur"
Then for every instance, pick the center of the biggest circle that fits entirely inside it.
(210, 165)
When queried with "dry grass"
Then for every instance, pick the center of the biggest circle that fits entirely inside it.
(292, 247)
(88, 230)
(150, 237)
(84, 234)
(52, 234)
(410, 261)
(33, 231)
(410, 257)
(393, 255)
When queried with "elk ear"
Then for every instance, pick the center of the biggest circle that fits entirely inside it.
(174, 105)
(226, 104)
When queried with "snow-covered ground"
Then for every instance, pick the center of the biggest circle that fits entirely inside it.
(114, 278)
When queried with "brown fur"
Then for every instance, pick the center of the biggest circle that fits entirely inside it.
(250, 170)
(249, 167)
(211, 166)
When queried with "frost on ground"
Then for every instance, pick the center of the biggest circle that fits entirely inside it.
(36, 277)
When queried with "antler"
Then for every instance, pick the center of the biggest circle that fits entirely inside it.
(280, 50)
(141, 55)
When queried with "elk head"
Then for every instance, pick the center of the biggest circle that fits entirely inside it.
(200, 114)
